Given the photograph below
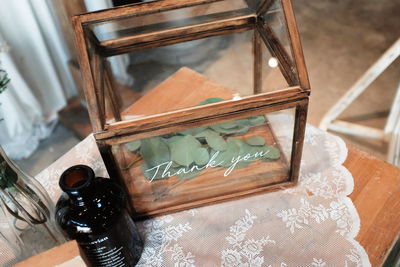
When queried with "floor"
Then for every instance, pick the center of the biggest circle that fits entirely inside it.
(341, 40)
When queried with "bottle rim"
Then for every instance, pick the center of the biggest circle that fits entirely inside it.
(86, 176)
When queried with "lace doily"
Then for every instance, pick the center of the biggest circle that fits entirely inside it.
(312, 224)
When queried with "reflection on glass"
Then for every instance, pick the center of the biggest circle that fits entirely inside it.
(200, 163)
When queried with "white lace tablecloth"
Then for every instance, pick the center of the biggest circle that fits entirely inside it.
(312, 224)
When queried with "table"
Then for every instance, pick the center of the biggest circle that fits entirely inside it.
(376, 198)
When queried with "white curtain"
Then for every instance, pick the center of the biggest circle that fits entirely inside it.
(32, 54)
(37, 62)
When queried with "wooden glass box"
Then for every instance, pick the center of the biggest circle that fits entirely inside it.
(218, 106)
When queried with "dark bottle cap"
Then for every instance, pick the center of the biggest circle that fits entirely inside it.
(76, 180)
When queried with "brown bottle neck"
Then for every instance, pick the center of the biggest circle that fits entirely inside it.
(78, 183)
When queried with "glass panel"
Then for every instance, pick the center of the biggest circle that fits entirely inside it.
(272, 77)
(183, 75)
(275, 19)
(167, 20)
(200, 164)
(276, 32)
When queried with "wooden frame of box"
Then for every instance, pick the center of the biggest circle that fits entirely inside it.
(98, 82)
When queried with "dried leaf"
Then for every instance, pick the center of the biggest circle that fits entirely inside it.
(193, 131)
(228, 125)
(204, 133)
(181, 150)
(255, 141)
(273, 152)
(201, 156)
(256, 120)
(152, 174)
(173, 139)
(154, 151)
(215, 141)
(237, 130)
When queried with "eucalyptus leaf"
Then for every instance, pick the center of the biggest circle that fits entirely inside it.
(204, 133)
(152, 174)
(133, 145)
(273, 152)
(193, 131)
(211, 100)
(230, 153)
(243, 122)
(256, 120)
(181, 150)
(215, 141)
(154, 151)
(201, 156)
(176, 165)
(173, 139)
(221, 130)
(242, 130)
(255, 141)
(228, 125)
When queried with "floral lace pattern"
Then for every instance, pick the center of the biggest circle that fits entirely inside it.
(161, 240)
(244, 253)
(312, 224)
(298, 218)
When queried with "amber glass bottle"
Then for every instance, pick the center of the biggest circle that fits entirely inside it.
(92, 211)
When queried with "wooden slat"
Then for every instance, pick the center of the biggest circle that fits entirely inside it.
(158, 38)
(113, 98)
(295, 43)
(88, 81)
(52, 257)
(138, 9)
(257, 66)
(175, 121)
(298, 140)
(264, 6)
(97, 68)
(356, 129)
(277, 50)
(376, 197)
(168, 195)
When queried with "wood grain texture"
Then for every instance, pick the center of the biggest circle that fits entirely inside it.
(298, 140)
(138, 9)
(295, 44)
(173, 194)
(190, 115)
(264, 6)
(52, 257)
(192, 29)
(376, 196)
(87, 77)
(200, 27)
(257, 63)
(114, 100)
